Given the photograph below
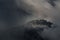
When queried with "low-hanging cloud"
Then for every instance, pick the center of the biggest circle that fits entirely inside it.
(43, 9)
(19, 12)
(40, 9)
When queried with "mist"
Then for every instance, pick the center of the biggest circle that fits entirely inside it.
(43, 9)
(15, 13)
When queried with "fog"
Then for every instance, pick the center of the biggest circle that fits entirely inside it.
(14, 13)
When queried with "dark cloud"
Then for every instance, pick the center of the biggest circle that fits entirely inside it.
(14, 13)
(10, 13)
(52, 2)
(10, 18)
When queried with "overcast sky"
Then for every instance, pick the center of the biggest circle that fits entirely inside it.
(18, 12)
